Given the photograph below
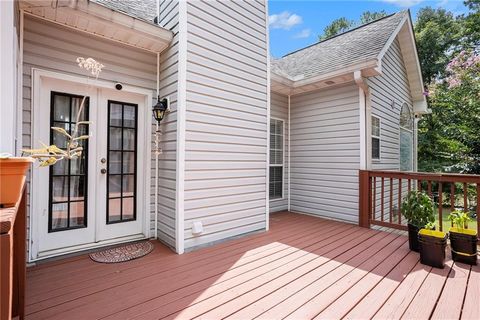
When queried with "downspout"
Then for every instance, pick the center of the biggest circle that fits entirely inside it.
(289, 143)
(19, 120)
(157, 127)
(364, 113)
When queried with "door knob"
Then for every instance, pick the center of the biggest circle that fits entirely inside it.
(103, 170)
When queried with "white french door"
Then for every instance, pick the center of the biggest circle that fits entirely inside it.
(100, 198)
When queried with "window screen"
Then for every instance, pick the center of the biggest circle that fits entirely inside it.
(375, 138)
(276, 158)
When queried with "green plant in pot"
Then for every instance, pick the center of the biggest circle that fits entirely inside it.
(432, 245)
(417, 208)
(463, 241)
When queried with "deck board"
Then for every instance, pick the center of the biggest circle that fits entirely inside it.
(302, 268)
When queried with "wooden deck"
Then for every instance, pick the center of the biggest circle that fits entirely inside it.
(303, 268)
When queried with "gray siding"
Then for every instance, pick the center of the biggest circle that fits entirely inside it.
(279, 110)
(169, 19)
(325, 153)
(51, 47)
(226, 119)
(392, 85)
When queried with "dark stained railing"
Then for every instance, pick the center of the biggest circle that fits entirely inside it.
(382, 193)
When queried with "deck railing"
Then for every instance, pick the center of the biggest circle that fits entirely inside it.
(13, 259)
(382, 193)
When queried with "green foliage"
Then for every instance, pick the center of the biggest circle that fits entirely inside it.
(369, 16)
(448, 138)
(459, 219)
(337, 26)
(343, 24)
(431, 226)
(417, 208)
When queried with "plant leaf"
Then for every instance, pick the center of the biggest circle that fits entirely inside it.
(62, 131)
(84, 137)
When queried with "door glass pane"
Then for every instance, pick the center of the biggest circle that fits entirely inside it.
(115, 138)
(76, 104)
(59, 216)
(129, 139)
(122, 144)
(68, 178)
(114, 210)
(116, 114)
(77, 218)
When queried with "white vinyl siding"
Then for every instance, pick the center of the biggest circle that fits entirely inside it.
(226, 120)
(388, 92)
(279, 110)
(325, 152)
(50, 47)
(169, 17)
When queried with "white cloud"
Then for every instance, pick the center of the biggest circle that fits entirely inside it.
(305, 33)
(404, 3)
(284, 20)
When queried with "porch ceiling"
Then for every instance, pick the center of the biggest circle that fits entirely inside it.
(97, 20)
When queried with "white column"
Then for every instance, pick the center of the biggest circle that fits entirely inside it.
(8, 77)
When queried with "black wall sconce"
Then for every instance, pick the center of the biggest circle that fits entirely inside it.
(160, 109)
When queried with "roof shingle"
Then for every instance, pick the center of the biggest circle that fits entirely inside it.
(349, 48)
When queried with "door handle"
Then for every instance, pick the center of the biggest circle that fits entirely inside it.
(103, 171)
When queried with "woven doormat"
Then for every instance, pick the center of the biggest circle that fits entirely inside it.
(124, 253)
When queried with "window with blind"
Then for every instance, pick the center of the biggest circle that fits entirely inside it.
(375, 138)
(276, 158)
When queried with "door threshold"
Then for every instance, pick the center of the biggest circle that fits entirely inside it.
(85, 248)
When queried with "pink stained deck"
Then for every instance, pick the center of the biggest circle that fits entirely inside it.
(304, 267)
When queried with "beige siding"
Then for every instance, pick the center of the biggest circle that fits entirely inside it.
(279, 110)
(226, 119)
(51, 47)
(325, 153)
(169, 18)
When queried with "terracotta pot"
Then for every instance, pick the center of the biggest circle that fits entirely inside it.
(12, 176)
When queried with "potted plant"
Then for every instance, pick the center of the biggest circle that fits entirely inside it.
(13, 171)
(432, 246)
(417, 208)
(463, 241)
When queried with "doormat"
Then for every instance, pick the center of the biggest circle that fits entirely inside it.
(124, 253)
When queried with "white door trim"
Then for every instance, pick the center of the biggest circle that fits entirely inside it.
(35, 187)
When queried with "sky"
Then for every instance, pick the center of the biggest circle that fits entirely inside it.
(295, 24)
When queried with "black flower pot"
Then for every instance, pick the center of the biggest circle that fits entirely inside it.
(432, 245)
(413, 237)
(464, 245)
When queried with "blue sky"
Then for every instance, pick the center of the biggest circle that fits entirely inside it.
(295, 24)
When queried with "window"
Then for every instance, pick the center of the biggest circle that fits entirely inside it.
(406, 138)
(68, 178)
(121, 162)
(375, 138)
(276, 159)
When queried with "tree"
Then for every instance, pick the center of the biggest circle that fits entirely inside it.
(369, 16)
(438, 33)
(471, 30)
(337, 26)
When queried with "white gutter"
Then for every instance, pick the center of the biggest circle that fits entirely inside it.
(364, 117)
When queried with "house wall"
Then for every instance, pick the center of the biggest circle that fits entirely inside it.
(279, 110)
(50, 47)
(391, 86)
(169, 19)
(325, 152)
(226, 119)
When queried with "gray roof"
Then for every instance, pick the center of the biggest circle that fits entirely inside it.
(349, 48)
(143, 10)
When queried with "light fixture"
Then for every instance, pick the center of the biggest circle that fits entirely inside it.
(160, 109)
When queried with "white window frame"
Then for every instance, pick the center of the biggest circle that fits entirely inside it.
(379, 137)
(283, 160)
